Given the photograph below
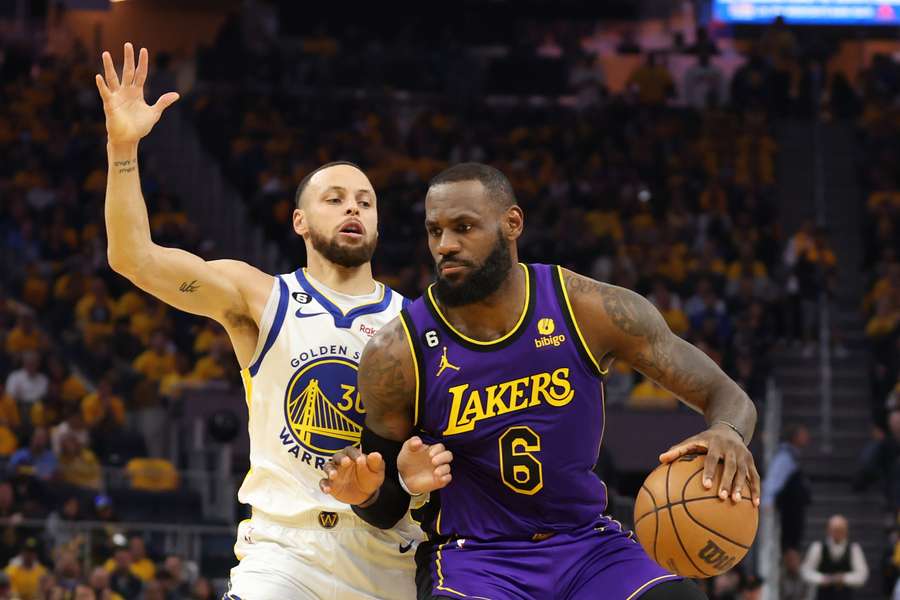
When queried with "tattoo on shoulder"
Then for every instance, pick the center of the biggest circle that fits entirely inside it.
(189, 288)
(384, 379)
(626, 310)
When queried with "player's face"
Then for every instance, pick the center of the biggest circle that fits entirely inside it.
(468, 241)
(338, 216)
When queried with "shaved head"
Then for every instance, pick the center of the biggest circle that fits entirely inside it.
(304, 183)
(497, 187)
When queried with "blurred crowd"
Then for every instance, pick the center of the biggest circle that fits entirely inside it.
(673, 199)
(879, 134)
(90, 368)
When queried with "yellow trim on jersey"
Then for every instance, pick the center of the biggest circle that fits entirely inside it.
(440, 573)
(651, 582)
(377, 284)
(412, 352)
(437, 523)
(500, 339)
(562, 282)
(247, 378)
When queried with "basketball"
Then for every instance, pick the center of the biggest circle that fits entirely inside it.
(688, 529)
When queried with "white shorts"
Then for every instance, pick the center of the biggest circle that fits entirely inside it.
(306, 560)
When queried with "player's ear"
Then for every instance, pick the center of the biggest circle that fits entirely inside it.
(513, 222)
(301, 225)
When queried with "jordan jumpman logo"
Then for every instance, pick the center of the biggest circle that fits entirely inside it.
(445, 364)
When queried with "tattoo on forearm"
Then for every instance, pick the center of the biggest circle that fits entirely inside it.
(189, 288)
(125, 166)
(684, 370)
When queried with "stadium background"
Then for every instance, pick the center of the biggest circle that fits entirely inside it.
(744, 178)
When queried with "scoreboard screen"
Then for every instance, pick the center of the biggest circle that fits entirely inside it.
(808, 12)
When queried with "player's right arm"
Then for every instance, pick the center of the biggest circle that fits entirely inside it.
(231, 292)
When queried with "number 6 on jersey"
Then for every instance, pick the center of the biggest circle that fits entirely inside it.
(519, 469)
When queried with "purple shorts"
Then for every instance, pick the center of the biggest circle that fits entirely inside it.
(600, 561)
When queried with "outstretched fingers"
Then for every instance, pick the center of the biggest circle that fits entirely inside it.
(109, 71)
(165, 101)
(128, 67)
(105, 94)
(140, 75)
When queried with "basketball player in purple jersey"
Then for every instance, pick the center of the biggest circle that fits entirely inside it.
(499, 367)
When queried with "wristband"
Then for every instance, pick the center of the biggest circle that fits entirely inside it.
(732, 427)
(406, 489)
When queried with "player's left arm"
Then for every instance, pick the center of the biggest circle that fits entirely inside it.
(620, 324)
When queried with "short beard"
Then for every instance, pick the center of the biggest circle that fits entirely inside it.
(344, 256)
(481, 283)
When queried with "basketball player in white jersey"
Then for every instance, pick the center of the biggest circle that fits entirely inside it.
(298, 338)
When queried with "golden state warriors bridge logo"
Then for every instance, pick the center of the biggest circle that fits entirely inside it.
(322, 409)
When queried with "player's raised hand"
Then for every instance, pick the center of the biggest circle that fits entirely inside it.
(424, 467)
(740, 479)
(128, 116)
(352, 476)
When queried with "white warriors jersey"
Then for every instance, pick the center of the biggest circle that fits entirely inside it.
(301, 390)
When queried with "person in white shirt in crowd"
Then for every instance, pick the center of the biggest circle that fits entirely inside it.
(704, 84)
(28, 385)
(836, 566)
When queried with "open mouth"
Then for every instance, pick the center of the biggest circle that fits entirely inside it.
(352, 229)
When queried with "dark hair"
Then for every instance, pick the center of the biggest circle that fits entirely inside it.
(305, 181)
(498, 187)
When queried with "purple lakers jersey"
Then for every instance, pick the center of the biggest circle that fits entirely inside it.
(523, 416)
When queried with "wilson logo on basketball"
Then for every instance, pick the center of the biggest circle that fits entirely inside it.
(715, 556)
(546, 327)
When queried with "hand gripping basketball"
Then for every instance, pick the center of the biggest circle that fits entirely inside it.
(740, 479)
(351, 476)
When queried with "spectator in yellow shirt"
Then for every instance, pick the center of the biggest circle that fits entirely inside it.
(214, 365)
(174, 383)
(649, 395)
(25, 336)
(78, 465)
(208, 335)
(71, 388)
(652, 82)
(103, 405)
(669, 305)
(9, 410)
(886, 320)
(95, 313)
(155, 362)
(141, 567)
(25, 572)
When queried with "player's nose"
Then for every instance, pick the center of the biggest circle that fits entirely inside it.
(448, 244)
